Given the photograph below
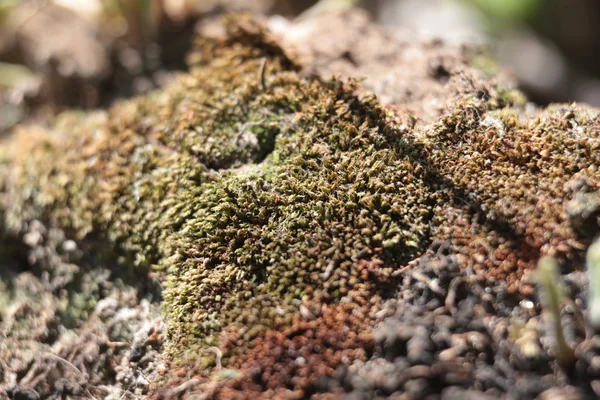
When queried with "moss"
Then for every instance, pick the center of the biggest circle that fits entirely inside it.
(339, 196)
(484, 61)
(520, 171)
(508, 98)
(164, 180)
(261, 244)
(276, 206)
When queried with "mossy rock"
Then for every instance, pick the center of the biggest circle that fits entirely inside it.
(281, 210)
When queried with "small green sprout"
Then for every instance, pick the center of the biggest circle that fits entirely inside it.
(551, 299)
(593, 272)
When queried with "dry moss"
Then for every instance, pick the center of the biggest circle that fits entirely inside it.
(516, 176)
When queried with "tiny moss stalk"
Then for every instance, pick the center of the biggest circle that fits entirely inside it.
(593, 270)
(551, 298)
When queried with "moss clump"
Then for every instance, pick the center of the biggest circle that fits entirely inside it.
(254, 189)
(341, 195)
(129, 172)
(520, 174)
(277, 208)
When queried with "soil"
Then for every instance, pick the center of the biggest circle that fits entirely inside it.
(76, 326)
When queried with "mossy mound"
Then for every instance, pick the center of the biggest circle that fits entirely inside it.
(281, 211)
(251, 189)
(341, 195)
(520, 181)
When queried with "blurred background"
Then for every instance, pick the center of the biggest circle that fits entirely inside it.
(57, 54)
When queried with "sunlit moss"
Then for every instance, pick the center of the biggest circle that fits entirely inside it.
(262, 197)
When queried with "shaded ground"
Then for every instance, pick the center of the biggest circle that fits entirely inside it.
(441, 309)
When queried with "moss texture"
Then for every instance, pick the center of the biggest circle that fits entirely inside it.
(280, 210)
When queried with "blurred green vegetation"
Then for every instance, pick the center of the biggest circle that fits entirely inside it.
(13, 74)
(500, 13)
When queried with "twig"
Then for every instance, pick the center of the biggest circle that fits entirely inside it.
(432, 284)
(67, 362)
(219, 356)
(176, 391)
(451, 297)
(261, 74)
